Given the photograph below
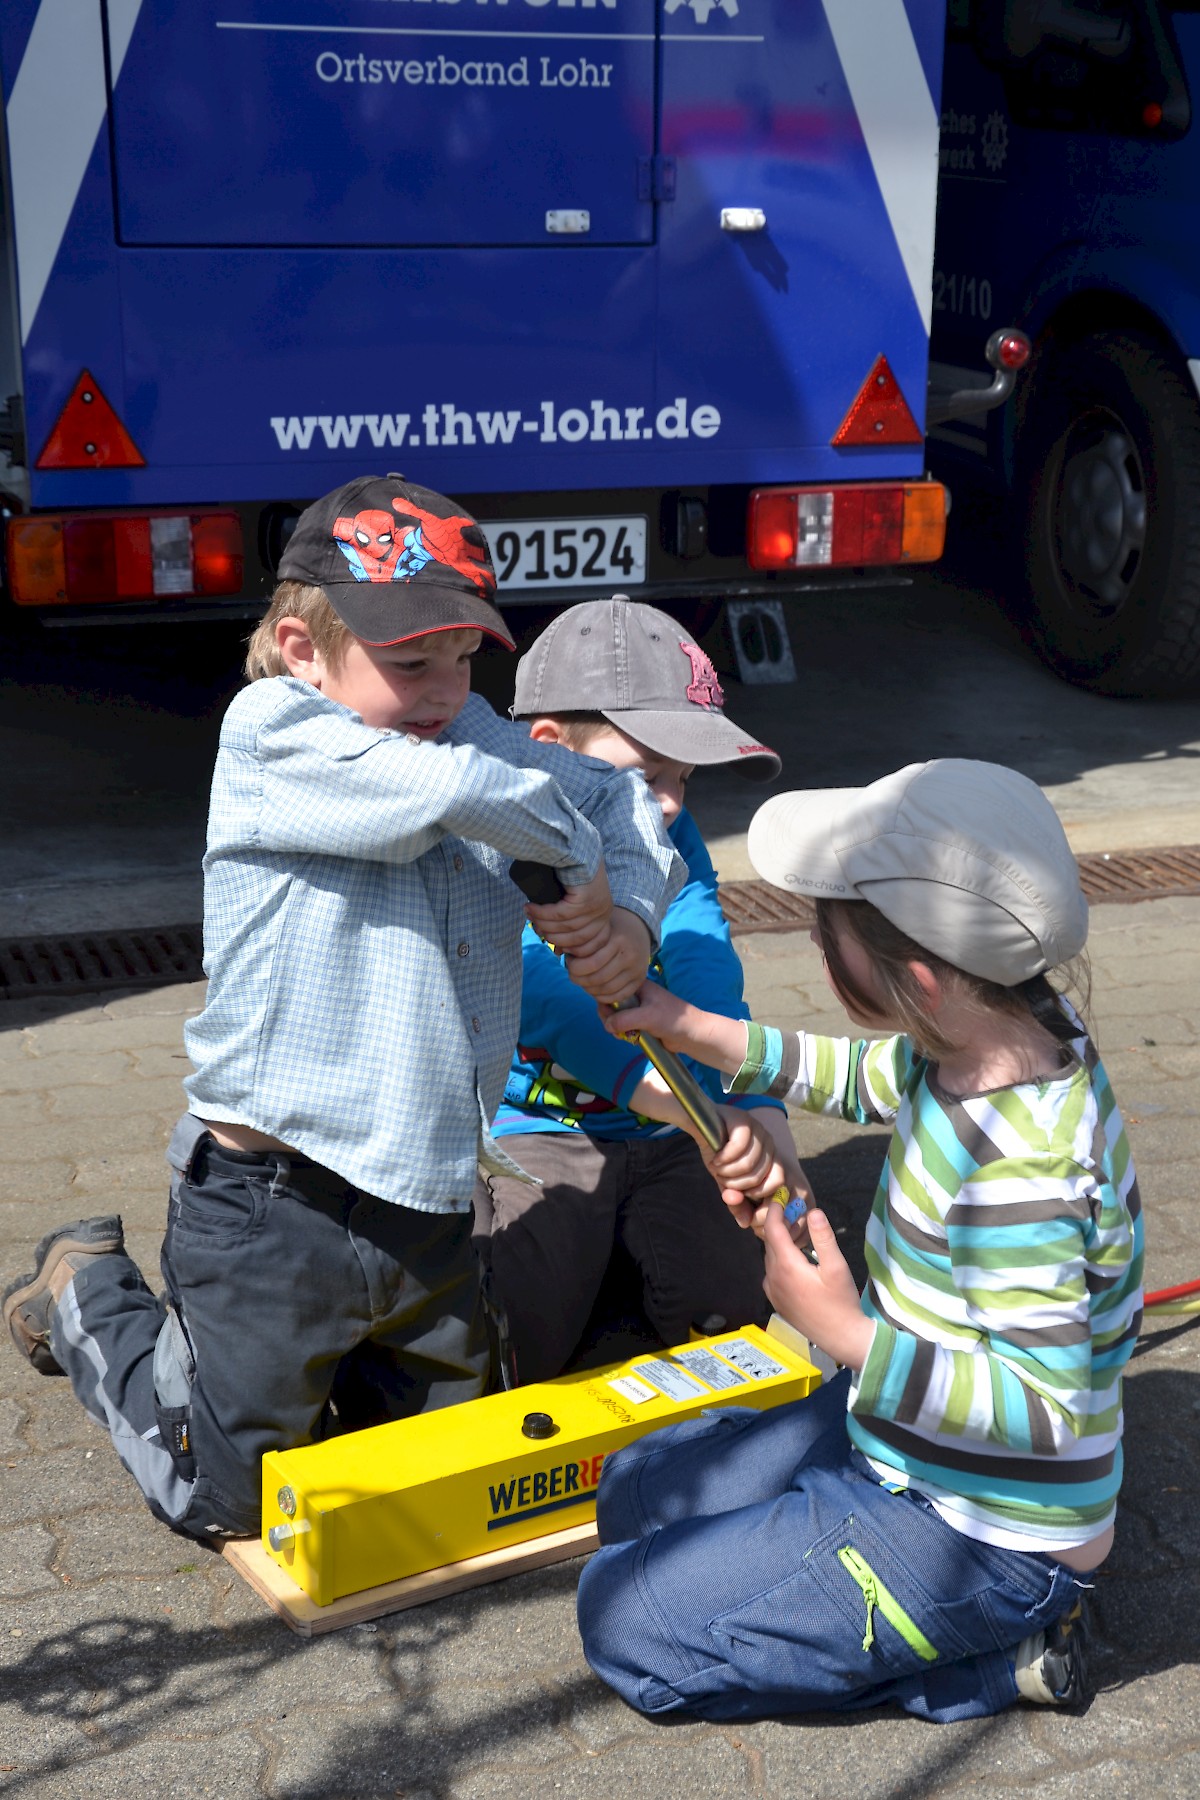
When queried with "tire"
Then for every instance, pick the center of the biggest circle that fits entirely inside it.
(1108, 476)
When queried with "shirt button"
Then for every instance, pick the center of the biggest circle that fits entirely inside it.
(458, 862)
(476, 1024)
(411, 737)
(464, 949)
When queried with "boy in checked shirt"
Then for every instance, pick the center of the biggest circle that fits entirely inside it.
(363, 949)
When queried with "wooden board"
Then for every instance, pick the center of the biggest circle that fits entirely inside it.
(272, 1584)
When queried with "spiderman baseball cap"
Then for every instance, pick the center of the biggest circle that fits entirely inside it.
(395, 561)
(641, 671)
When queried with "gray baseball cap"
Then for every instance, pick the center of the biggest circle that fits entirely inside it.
(640, 669)
(968, 858)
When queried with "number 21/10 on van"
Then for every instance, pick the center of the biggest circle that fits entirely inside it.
(969, 295)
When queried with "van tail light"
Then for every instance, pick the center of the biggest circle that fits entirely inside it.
(73, 559)
(853, 525)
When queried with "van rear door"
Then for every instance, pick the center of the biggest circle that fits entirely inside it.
(368, 124)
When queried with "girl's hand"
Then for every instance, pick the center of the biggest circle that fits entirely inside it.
(714, 1040)
(748, 1167)
(662, 1014)
(819, 1298)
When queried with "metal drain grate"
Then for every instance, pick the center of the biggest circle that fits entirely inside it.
(754, 906)
(1141, 874)
(92, 961)
(1126, 875)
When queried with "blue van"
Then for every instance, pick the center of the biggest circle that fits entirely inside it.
(645, 283)
(1068, 204)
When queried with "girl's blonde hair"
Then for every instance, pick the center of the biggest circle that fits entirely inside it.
(892, 950)
(296, 600)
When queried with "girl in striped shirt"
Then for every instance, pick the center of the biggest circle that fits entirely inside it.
(923, 1529)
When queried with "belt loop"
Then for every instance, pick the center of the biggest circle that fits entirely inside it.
(281, 1177)
(186, 1140)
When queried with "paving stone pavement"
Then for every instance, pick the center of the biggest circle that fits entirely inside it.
(134, 1661)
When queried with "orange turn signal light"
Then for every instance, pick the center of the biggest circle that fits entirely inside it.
(924, 533)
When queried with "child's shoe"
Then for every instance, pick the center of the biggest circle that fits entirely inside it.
(1052, 1666)
(30, 1300)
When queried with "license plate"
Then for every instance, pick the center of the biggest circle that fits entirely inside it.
(548, 553)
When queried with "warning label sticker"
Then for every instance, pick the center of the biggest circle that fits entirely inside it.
(710, 1368)
(750, 1358)
(675, 1383)
(633, 1389)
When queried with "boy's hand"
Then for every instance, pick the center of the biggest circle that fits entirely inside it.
(616, 970)
(580, 923)
(819, 1298)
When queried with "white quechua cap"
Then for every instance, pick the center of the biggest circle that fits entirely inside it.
(969, 859)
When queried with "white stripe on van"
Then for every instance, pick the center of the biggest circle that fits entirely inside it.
(56, 108)
(899, 122)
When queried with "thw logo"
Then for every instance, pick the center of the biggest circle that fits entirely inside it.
(702, 8)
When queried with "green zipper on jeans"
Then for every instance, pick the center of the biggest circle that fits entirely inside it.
(876, 1595)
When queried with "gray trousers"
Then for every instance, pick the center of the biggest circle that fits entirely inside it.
(298, 1306)
(547, 1249)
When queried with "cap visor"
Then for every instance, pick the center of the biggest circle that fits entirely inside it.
(698, 738)
(382, 613)
(790, 842)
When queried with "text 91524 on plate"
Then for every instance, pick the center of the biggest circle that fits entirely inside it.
(549, 553)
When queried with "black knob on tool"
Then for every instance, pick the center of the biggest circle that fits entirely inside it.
(537, 881)
(538, 1425)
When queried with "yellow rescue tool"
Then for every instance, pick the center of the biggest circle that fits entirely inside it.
(375, 1506)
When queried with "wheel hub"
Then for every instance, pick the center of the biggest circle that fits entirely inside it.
(1101, 513)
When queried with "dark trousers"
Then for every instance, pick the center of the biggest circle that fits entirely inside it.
(548, 1248)
(293, 1294)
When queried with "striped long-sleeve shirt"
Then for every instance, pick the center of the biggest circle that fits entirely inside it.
(1004, 1259)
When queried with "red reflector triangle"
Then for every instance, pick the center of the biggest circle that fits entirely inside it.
(88, 434)
(880, 413)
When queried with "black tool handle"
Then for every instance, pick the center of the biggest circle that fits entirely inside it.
(537, 881)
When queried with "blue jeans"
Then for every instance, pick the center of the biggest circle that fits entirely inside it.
(753, 1564)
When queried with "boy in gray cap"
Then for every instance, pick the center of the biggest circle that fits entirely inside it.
(361, 939)
(624, 684)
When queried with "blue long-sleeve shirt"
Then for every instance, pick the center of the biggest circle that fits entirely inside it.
(362, 937)
(569, 1073)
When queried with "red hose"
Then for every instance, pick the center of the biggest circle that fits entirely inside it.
(1172, 1293)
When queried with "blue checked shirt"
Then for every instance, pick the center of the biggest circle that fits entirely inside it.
(362, 937)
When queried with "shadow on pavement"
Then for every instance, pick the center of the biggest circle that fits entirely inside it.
(426, 1698)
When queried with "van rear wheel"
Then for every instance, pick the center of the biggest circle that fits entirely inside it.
(1109, 472)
